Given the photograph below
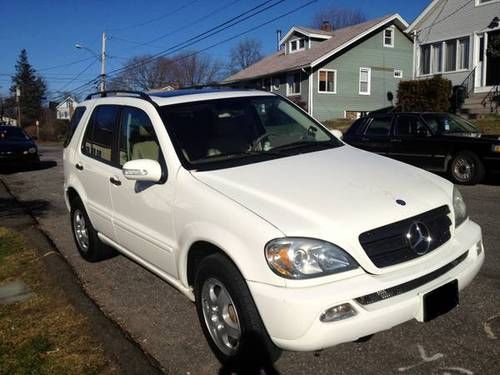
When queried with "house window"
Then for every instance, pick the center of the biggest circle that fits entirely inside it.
(463, 53)
(437, 57)
(297, 45)
(327, 81)
(365, 81)
(389, 37)
(398, 73)
(451, 55)
(425, 59)
(276, 84)
(293, 84)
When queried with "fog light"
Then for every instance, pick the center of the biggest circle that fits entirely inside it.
(339, 312)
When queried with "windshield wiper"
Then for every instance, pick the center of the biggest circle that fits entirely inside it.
(302, 143)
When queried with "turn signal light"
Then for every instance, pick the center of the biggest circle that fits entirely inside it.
(337, 313)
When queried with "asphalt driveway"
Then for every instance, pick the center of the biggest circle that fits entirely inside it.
(164, 323)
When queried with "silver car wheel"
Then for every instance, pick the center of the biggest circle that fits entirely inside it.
(221, 316)
(81, 230)
(463, 169)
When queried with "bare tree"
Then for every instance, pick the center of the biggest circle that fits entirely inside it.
(338, 17)
(144, 73)
(196, 69)
(244, 54)
(185, 69)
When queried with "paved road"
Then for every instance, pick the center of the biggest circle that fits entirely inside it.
(164, 322)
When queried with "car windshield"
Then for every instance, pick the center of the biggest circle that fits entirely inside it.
(448, 124)
(12, 134)
(242, 130)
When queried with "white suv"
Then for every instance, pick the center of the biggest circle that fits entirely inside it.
(283, 236)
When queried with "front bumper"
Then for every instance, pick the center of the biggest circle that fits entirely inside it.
(292, 315)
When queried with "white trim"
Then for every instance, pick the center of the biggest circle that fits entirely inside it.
(298, 45)
(395, 17)
(398, 71)
(478, 4)
(393, 35)
(310, 93)
(288, 80)
(422, 15)
(369, 81)
(334, 81)
(303, 32)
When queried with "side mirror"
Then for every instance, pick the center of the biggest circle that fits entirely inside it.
(337, 133)
(142, 170)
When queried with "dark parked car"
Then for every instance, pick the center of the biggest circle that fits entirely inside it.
(17, 148)
(440, 142)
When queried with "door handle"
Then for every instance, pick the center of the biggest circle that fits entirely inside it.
(365, 139)
(395, 140)
(79, 166)
(115, 181)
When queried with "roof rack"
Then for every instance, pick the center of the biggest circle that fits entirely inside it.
(126, 93)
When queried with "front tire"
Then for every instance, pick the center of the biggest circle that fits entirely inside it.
(229, 317)
(466, 168)
(87, 242)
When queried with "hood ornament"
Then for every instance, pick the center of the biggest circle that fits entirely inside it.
(401, 202)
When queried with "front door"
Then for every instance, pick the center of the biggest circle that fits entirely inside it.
(143, 211)
(413, 143)
(493, 59)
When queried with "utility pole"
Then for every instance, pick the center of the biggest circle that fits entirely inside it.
(18, 102)
(103, 62)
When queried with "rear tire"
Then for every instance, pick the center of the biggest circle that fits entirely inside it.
(87, 242)
(229, 317)
(466, 168)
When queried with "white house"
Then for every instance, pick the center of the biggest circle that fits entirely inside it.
(65, 109)
(459, 39)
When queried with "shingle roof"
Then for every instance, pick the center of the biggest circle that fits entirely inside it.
(279, 62)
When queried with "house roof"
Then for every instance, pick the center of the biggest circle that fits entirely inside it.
(69, 98)
(339, 40)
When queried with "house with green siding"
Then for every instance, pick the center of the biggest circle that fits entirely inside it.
(336, 73)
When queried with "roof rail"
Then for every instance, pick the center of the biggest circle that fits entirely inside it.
(103, 94)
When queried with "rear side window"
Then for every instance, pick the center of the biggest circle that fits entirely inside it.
(98, 140)
(73, 124)
(357, 127)
(410, 126)
(380, 126)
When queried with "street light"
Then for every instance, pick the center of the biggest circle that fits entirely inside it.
(101, 57)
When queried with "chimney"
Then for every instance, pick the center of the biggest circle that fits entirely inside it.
(327, 26)
(278, 38)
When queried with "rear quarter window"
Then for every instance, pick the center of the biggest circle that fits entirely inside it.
(73, 124)
(357, 127)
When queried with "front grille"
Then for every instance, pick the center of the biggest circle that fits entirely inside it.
(410, 285)
(388, 245)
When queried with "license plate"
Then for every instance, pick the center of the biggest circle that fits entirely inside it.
(440, 300)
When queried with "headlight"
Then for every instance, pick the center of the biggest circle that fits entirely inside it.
(32, 150)
(304, 258)
(459, 207)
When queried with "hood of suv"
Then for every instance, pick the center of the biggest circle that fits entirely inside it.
(333, 195)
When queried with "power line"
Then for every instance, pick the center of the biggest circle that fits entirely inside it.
(149, 43)
(166, 15)
(65, 65)
(204, 35)
(79, 74)
(246, 31)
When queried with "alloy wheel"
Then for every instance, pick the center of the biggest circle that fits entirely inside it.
(81, 230)
(221, 316)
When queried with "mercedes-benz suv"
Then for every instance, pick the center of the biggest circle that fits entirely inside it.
(278, 231)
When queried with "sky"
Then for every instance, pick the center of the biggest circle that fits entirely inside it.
(49, 30)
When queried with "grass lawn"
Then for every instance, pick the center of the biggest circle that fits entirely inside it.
(44, 334)
(489, 124)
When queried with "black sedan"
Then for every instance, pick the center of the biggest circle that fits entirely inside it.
(440, 142)
(17, 148)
